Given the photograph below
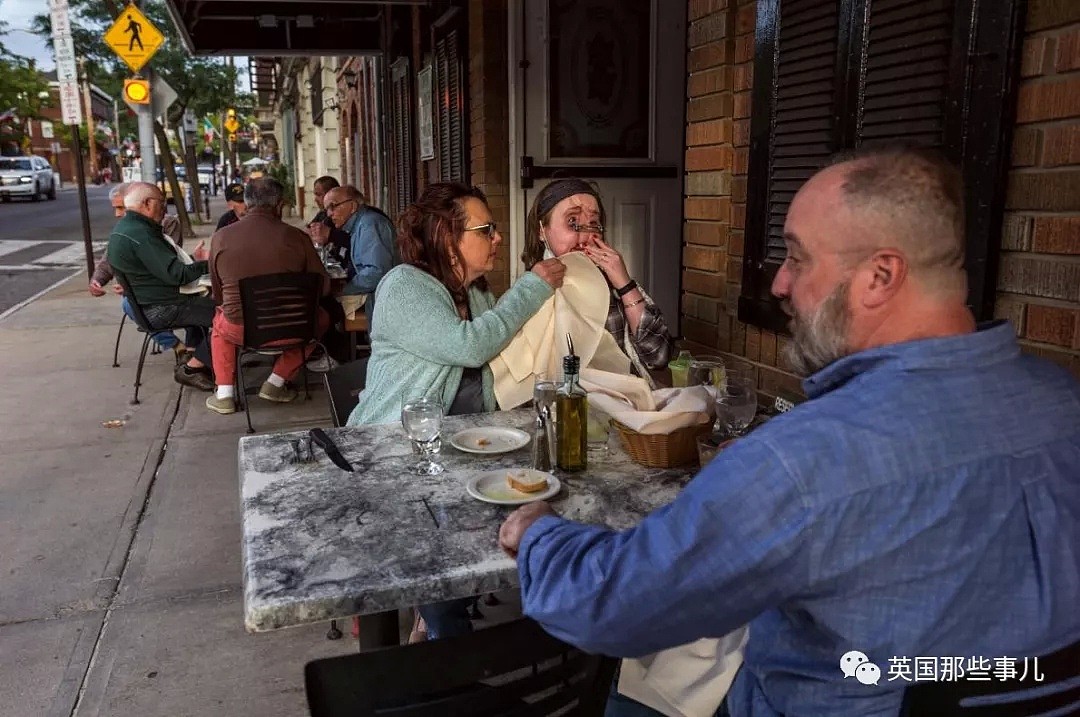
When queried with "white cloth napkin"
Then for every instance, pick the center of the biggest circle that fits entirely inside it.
(629, 401)
(686, 681)
(351, 303)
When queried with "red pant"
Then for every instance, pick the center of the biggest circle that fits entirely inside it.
(227, 336)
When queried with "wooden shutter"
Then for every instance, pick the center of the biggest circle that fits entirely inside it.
(404, 153)
(935, 73)
(448, 36)
(317, 108)
(792, 135)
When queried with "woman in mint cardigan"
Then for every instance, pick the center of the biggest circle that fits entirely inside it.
(437, 324)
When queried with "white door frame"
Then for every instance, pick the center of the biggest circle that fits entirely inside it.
(516, 97)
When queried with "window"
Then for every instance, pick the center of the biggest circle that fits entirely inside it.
(451, 115)
(836, 74)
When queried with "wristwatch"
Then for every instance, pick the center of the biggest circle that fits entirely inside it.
(626, 289)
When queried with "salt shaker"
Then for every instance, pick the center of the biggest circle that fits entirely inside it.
(542, 438)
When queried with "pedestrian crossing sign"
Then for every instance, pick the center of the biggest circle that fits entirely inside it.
(134, 38)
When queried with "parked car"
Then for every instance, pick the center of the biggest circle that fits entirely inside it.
(208, 179)
(26, 177)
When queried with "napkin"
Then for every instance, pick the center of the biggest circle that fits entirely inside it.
(629, 401)
(351, 303)
(686, 681)
(580, 308)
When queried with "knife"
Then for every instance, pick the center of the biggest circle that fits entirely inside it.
(319, 436)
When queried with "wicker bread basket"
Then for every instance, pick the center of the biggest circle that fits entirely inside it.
(665, 450)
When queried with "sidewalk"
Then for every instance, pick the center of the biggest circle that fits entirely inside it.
(121, 553)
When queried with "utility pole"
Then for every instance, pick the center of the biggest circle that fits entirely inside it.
(148, 165)
(116, 139)
(90, 143)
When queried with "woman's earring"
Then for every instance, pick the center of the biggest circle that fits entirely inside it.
(543, 239)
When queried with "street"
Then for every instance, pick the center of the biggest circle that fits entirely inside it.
(42, 242)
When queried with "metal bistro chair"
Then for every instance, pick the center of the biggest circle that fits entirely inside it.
(1057, 694)
(143, 325)
(511, 669)
(280, 313)
(154, 350)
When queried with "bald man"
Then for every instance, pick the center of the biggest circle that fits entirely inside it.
(924, 502)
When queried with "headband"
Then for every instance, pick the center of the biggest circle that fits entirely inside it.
(560, 190)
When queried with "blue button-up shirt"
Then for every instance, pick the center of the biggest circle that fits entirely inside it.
(373, 251)
(924, 503)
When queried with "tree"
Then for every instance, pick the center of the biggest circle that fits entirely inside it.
(23, 94)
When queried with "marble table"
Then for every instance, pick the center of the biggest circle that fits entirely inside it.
(322, 543)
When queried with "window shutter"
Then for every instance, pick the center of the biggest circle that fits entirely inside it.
(404, 155)
(796, 131)
(448, 42)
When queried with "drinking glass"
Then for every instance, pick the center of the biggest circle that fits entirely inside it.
(736, 404)
(544, 392)
(709, 445)
(706, 371)
(421, 418)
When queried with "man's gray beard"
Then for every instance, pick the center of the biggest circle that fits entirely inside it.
(818, 341)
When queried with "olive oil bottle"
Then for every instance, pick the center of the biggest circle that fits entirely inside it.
(572, 408)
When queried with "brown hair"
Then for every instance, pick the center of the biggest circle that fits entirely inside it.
(430, 231)
(540, 213)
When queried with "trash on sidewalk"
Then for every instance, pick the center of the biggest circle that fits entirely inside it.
(115, 423)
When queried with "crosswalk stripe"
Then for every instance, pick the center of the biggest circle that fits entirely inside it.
(70, 255)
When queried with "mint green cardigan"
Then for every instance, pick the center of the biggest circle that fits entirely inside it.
(420, 345)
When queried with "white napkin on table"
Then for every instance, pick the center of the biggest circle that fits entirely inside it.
(629, 401)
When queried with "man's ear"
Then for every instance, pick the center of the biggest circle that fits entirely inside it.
(882, 277)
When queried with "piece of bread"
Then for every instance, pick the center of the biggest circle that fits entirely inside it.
(526, 482)
(481, 442)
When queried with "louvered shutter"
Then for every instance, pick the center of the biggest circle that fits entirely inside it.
(450, 97)
(404, 154)
(791, 137)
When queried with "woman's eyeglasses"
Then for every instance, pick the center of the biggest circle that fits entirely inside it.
(488, 229)
(586, 228)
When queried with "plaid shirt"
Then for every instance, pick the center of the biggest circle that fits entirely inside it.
(651, 342)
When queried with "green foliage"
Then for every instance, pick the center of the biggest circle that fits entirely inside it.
(283, 173)
(22, 87)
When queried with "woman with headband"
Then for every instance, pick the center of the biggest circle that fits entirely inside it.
(568, 215)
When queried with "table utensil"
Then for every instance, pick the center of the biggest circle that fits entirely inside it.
(327, 444)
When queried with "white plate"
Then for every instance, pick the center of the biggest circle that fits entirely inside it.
(489, 440)
(491, 487)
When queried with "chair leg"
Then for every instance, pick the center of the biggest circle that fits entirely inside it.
(238, 384)
(240, 388)
(138, 371)
(333, 633)
(116, 348)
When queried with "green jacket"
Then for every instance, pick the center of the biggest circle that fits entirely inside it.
(154, 270)
(420, 345)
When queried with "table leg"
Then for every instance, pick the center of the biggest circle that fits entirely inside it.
(379, 630)
(352, 345)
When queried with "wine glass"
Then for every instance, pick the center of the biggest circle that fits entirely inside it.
(736, 404)
(706, 371)
(422, 418)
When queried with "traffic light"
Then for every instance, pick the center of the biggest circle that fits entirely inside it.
(137, 91)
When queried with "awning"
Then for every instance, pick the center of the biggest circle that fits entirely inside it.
(282, 27)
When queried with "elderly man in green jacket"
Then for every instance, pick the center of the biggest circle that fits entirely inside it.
(155, 272)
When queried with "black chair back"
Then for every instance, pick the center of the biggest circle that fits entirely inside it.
(511, 669)
(343, 387)
(1027, 698)
(140, 318)
(280, 308)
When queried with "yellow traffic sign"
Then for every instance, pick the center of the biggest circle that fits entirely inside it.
(232, 124)
(137, 91)
(134, 38)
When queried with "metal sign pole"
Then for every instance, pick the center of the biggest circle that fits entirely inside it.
(88, 242)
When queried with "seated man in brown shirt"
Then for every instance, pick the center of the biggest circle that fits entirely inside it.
(258, 244)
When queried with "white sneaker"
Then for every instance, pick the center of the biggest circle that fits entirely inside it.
(323, 364)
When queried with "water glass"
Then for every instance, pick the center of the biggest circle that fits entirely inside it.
(421, 418)
(544, 392)
(706, 371)
(736, 404)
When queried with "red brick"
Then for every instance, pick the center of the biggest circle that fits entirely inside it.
(1061, 145)
(1037, 276)
(1068, 52)
(744, 77)
(709, 107)
(738, 189)
(1038, 56)
(1012, 309)
(744, 19)
(700, 307)
(715, 208)
(753, 343)
(703, 283)
(716, 183)
(773, 382)
(1051, 324)
(1016, 233)
(708, 29)
(716, 131)
(701, 8)
(742, 105)
(1043, 14)
(1056, 235)
(1025, 146)
(740, 135)
(1047, 100)
(703, 259)
(705, 158)
(742, 161)
(735, 243)
(744, 48)
(1053, 191)
(706, 82)
(734, 266)
(738, 338)
(712, 55)
(706, 233)
(699, 332)
(738, 216)
(731, 295)
(768, 348)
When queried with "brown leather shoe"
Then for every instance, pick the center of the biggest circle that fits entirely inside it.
(196, 379)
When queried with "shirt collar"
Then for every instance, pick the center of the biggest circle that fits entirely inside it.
(350, 223)
(990, 343)
(142, 218)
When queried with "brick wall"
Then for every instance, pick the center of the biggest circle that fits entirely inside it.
(489, 131)
(1039, 276)
(721, 52)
